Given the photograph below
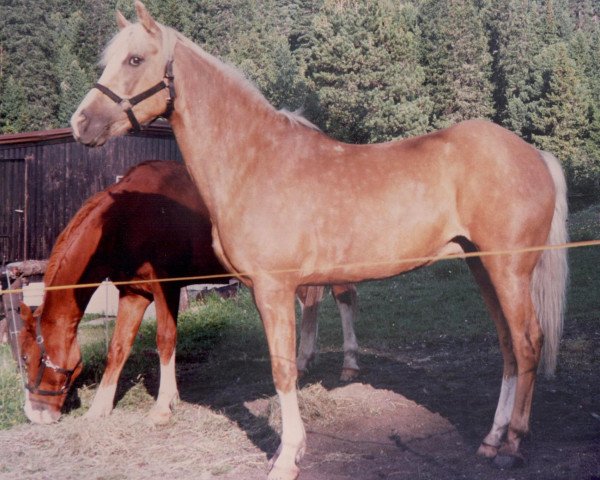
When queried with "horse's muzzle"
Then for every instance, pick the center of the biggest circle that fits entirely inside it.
(40, 412)
(90, 133)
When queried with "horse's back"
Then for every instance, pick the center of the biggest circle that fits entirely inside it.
(474, 180)
(161, 220)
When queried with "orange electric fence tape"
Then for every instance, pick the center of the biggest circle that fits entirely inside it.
(424, 260)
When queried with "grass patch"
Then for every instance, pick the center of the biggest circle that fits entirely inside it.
(11, 391)
(436, 304)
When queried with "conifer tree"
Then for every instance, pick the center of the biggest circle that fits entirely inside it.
(96, 28)
(362, 62)
(14, 114)
(513, 25)
(28, 43)
(559, 120)
(74, 80)
(178, 14)
(457, 60)
(264, 55)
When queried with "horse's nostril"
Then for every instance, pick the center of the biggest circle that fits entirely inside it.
(83, 119)
(79, 122)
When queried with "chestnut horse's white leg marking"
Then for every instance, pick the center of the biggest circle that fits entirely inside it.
(309, 298)
(167, 303)
(504, 410)
(168, 394)
(129, 317)
(102, 404)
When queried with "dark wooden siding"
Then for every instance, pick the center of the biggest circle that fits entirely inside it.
(62, 174)
(12, 193)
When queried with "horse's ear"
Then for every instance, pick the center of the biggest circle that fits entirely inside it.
(122, 22)
(145, 18)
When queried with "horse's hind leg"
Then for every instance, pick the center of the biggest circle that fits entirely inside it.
(309, 298)
(346, 299)
(166, 299)
(527, 340)
(129, 317)
(512, 285)
(493, 440)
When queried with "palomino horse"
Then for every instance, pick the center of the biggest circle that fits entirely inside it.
(291, 206)
(152, 224)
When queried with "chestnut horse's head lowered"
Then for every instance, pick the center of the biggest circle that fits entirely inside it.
(50, 371)
(136, 86)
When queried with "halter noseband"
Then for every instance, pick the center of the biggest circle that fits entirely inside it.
(45, 362)
(129, 103)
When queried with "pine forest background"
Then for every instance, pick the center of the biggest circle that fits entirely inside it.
(363, 71)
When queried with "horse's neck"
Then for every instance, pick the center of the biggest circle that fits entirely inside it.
(69, 263)
(218, 120)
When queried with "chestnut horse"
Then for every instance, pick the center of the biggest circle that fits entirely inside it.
(291, 206)
(152, 224)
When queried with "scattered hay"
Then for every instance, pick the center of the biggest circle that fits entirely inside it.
(198, 443)
(317, 407)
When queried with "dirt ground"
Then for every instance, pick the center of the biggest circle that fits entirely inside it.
(415, 413)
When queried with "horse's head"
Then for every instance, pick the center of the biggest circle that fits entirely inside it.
(51, 367)
(136, 84)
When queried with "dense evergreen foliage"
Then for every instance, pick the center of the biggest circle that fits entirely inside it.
(363, 70)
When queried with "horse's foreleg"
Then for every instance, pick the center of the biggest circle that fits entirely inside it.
(347, 302)
(166, 299)
(493, 440)
(129, 317)
(276, 306)
(309, 298)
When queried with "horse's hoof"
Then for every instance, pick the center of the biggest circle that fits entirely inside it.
(174, 401)
(96, 413)
(508, 461)
(487, 451)
(349, 374)
(158, 418)
(277, 473)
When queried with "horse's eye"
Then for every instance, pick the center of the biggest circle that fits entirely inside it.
(135, 61)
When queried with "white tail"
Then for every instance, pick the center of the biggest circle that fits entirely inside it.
(549, 281)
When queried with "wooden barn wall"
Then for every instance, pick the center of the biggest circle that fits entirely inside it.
(63, 174)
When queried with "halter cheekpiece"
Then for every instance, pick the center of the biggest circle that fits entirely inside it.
(129, 103)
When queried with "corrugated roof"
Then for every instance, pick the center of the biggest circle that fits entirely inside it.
(158, 128)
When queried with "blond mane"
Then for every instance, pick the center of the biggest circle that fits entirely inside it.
(171, 36)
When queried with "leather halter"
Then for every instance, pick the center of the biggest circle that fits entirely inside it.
(129, 103)
(45, 362)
